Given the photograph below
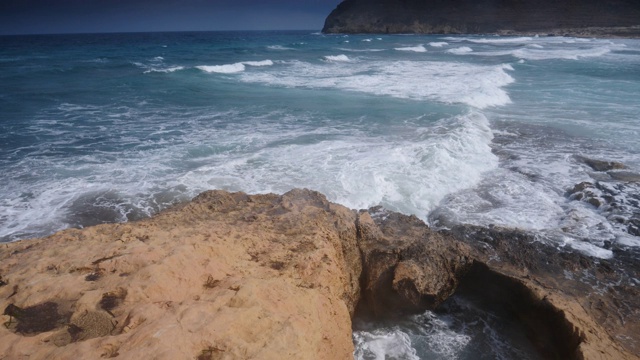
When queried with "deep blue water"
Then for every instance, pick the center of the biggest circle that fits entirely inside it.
(482, 130)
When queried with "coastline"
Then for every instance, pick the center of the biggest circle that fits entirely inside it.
(589, 18)
(622, 32)
(231, 275)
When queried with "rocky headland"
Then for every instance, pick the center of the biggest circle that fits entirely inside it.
(586, 18)
(237, 276)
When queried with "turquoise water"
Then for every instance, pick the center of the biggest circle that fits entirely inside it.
(102, 128)
(480, 130)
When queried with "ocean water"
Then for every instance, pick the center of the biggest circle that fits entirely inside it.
(454, 129)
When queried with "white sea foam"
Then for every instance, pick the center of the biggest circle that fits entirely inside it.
(438, 44)
(233, 68)
(631, 241)
(439, 337)
(259, 63)
(414, 337)
(529, 190)
(496, 40)
(587, 248)
(360, 50)
(279, 47)
(165, 70)
(337, 58)
(552, 49)
(223, 69)
(503, 197)
(381, 345)
(460, 50)
(572, 54)
(449, 82)
(418, 48)
(366, 40)
(410, 175)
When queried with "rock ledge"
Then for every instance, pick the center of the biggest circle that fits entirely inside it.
(237, 276)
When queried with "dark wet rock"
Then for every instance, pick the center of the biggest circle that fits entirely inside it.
(406, 267)
(581, 187)
(600, 165)
(546, 327)
(584, 191)
(634, 226)
(626, 176)
(605, 289)
(618, 202)
(508, 17)
(594, 201)
(530, 176)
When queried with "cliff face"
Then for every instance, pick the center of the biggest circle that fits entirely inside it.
(233, 276)
(600, 17)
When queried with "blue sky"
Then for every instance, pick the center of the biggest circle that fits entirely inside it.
(80, 16)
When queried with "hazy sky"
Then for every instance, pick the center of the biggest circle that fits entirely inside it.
(78, 16)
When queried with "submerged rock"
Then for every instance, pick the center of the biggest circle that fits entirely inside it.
(600, 165)
(619, 202)
(234, 276)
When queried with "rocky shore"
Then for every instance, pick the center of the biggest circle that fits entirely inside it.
(588, 18)
(237, 276)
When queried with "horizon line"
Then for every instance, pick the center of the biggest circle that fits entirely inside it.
(152, 31)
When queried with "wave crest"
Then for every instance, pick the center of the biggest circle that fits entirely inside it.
(233, 68)
(418, 48)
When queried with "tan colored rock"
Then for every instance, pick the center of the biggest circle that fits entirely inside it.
(227, 276)
(233, 276)
(407, 267)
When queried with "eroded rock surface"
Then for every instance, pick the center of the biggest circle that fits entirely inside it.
(233, 276)
(406, 266)
(226, 276)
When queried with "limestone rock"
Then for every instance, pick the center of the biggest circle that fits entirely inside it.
(407, 268)
(237, 276)
(226, 276)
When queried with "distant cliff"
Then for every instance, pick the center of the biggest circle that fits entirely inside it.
(557, 17)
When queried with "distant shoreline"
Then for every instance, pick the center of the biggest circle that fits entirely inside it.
(622, 32)
(587, 18)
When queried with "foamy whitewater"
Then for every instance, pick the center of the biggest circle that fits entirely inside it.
(456, 129)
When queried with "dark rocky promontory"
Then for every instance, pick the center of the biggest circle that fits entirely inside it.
(610, 18)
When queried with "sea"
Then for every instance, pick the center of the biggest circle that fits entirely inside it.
(484, 130)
